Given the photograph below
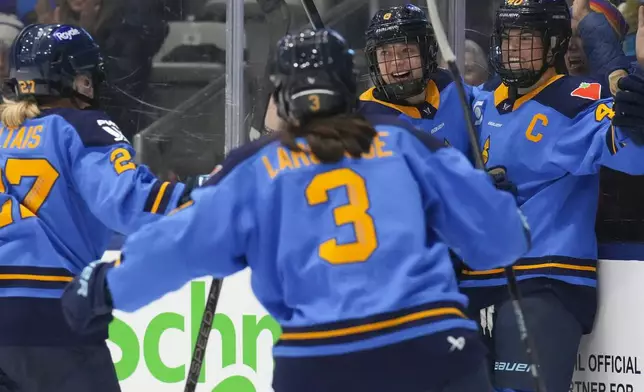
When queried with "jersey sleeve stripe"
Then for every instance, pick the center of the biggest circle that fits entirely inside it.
(610, 140)
(154, 192)
(159, 197)
(582, 269)
(165, 199)
(157, 200)
(34, 277)
(359, 329)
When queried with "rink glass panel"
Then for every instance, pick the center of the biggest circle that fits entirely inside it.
(180, 114)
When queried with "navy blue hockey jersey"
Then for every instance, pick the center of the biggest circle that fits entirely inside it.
(441, 115)
(67, 182)
(551, 143)
(346, 256)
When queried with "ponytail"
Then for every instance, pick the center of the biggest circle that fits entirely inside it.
(14, 113)
(331, 138)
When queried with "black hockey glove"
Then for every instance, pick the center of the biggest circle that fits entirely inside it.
(86, 301)
(500, 179)
(629, 107)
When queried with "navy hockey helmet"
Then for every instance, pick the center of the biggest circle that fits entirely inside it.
(46, 58)
(512, 49)
(314, 75)
(401, 25)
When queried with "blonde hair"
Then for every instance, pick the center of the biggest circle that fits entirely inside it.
(14, 113)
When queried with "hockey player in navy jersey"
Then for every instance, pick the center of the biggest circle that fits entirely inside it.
(67, 181)
(345, 223)
(401, 51)
(549, 134)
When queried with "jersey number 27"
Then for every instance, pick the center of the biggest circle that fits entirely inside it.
(354, 212)
(14, 171)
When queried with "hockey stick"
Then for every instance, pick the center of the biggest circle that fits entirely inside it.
(205, 327)
(270, 8)
(513, 289)
(313, 14)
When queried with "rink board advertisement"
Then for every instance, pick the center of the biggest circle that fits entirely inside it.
(152, 347)
(611, 359)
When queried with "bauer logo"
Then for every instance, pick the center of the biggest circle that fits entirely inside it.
(66, 33)
(511, 367)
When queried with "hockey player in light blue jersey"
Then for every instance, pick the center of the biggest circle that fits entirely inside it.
(67, 182)
(549, 133)
(345, 224)
(401, 51)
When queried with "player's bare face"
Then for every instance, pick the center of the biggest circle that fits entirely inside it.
(399, 62)
(575, 57)
(522, 50)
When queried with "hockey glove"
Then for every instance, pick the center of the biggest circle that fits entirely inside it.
(86, 301)
(629, 107)
(500, 179)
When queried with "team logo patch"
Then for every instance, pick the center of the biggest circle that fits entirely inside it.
(386, 16)
(485, 154)
(592, 91)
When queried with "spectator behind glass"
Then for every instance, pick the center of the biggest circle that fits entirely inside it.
(629, 10)
(576, 60)
(10, 26)
(476, 68)
(129, 33)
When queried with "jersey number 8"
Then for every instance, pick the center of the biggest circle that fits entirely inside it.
(355, 213)
(14, 171)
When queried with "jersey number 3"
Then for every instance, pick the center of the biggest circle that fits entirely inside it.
(355, 213)
(45, 176)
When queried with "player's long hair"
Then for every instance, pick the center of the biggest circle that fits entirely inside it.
(14, 113)
(332, 138)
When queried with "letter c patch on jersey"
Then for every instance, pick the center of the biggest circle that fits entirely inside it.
(591, 91)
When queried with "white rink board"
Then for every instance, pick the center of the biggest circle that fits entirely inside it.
(611, 359)
(158, 343)
(157, 340)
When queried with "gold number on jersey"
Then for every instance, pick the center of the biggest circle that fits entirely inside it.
(355, 213)
(15, 170)
(603, 111)
(529, 133)
(315, 102)
(122, 160)
(27, 86)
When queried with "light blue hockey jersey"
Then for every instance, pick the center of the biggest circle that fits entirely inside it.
(441, 115)
(551, 143)
(346, 256)
(67, 182)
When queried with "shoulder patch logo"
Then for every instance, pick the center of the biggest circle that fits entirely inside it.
(478, 112)
(592, 91)
(485, 154)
